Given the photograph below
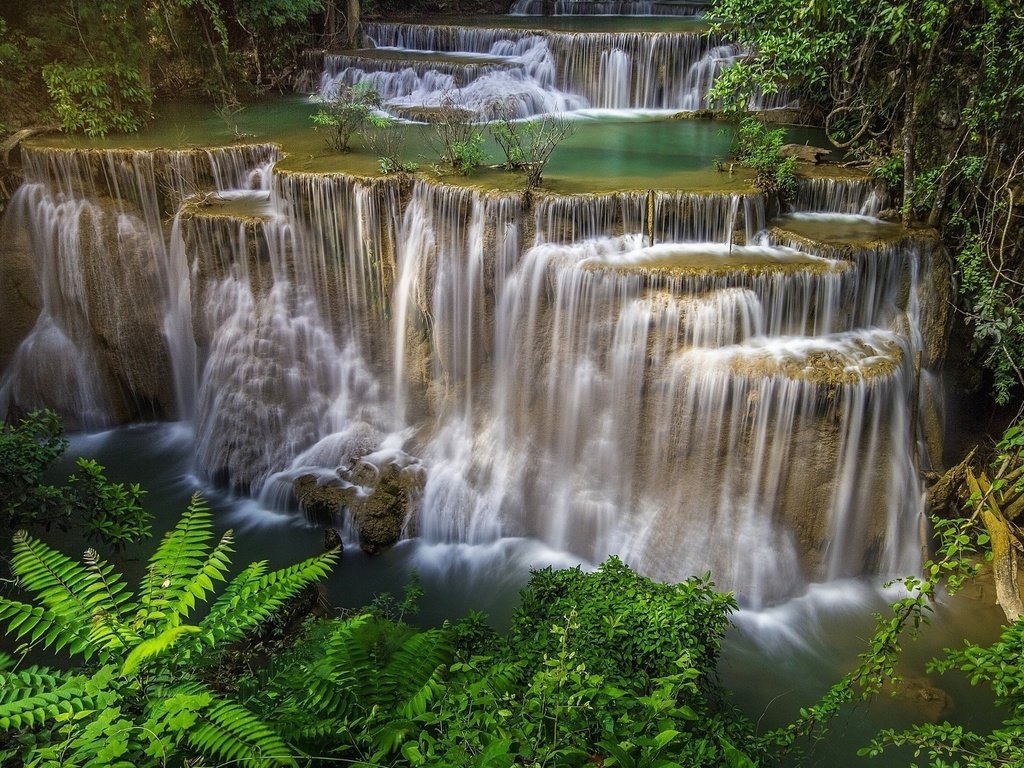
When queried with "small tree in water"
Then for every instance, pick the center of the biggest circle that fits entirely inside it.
(527, 144)
(347, 113)
(458, 138)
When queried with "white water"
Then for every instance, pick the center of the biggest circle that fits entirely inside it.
(538, 72)
(554, 373)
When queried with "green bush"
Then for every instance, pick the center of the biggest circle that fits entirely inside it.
(110, 511)
(758, 147)
(97, 99)
(596, 666)
(347, 114)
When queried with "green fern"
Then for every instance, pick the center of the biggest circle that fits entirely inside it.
(34, 698)
(152, 657)
(232, 733)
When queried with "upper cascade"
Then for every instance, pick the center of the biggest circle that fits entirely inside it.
(610, 7)
(540, 71)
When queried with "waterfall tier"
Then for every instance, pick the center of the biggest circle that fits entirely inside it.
(610, 7)
(540, 71)
(661, 374)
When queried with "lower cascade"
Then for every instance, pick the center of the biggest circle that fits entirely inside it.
(668, 376)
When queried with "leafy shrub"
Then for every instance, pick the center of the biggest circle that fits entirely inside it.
(97, 99)
(597, 666)
(347, 114)
(457, 139)
(527, 144)
(387, 137)
(758, 146)
(144, 695)
(110, 511)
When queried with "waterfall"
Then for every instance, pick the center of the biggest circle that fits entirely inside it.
(608, 7)
(542, 71)
(114, 322)
(660, 374)
(859, 196)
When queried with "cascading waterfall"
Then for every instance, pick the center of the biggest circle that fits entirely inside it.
(111, 282)
(637, 372)
(608, 7)
(540, 72)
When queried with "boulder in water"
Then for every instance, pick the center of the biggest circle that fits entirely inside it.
(382, 514)
(322, 502)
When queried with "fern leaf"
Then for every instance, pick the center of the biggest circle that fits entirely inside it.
(154, 646)
(110, 626)
(253, 597)
(34, 623)
(34, 701)
(201, 584)
(413, 674)
(62, 585)
(229, 732)
(180, 556)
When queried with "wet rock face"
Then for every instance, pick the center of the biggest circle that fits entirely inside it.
(126, 319)
(19, 293)
(323, 503)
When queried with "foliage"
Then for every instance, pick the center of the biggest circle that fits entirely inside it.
(110, 511)
(458, 139)
(347, 114)
(938, 85)
(877, 664)
(98, 99)
(606, 666)
(143, 694)
(758, 147)
(387, 137)
(527, 144)
(996, 505)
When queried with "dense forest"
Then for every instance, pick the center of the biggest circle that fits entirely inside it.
(193, 666)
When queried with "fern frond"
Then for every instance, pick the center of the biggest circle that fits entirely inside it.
(61, 584)
(34, 702)
(180, 556)
(413, 675)
(110, 627)
(252, 597)
(36, 624)
(154, 646)
(28, 682)
(344, 677)
(213, 569)
(229, 732)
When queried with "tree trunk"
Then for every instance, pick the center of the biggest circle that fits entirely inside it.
(353, 35)
(909, 116)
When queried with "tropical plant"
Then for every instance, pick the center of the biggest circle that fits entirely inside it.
(110, 511)
(527, 144)
(96, 99)
(759, 147)
(606, 666)
(142, 694)
(458, 138)
(348, 113)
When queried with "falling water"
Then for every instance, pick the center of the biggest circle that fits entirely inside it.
(608, 7)
(638, 372)
(540, 72)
